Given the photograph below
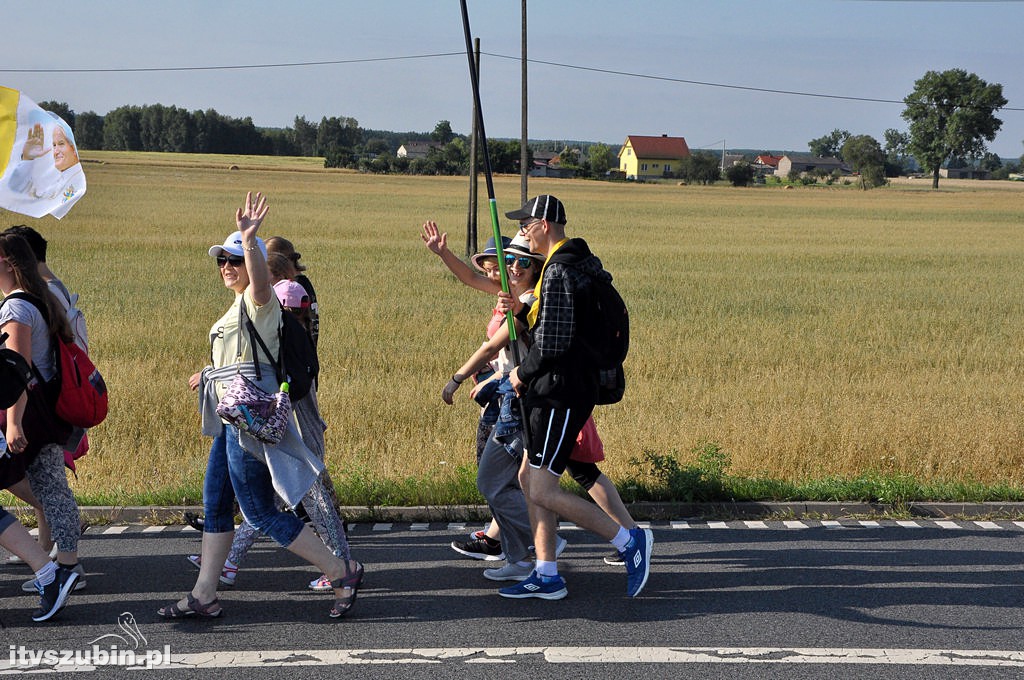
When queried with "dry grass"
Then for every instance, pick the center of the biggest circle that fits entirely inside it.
(809, 332)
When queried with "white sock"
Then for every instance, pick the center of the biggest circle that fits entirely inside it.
(47, 574)
(524, 563)
(547, 569)
(621, 539)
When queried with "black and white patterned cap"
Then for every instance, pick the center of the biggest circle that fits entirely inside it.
(543, 207)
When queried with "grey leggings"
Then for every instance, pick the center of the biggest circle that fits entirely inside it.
(49, 483)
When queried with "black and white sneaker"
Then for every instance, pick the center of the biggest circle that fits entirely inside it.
(614, 559)
(195, 521)
(53, 597)
(31, 586)
(482, 549)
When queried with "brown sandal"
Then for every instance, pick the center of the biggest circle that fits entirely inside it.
(352, 579)
(194, 608)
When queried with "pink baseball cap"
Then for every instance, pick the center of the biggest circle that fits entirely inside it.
(291, 294)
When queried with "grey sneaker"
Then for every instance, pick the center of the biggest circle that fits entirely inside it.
(510, 572)
(560, 544)
(30, 586)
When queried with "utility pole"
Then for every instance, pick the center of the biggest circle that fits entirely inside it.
(524, 152)
(471, 240)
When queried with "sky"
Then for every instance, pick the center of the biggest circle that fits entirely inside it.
(401, 65)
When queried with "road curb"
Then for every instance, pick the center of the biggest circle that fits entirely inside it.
(173, 514)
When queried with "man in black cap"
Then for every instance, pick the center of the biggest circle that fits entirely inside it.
(558, 380)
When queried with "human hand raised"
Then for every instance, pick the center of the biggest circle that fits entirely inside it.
(248, 220)
(435, 240)
(35, 145)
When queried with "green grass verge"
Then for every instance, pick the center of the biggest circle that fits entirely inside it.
(655, 477)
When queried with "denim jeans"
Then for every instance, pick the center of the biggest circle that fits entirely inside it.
(233, 473)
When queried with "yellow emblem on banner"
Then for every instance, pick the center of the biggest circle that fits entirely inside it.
(8, 123)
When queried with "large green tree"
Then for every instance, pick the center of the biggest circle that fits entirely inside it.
(951, 113)
(601, 158)
(829, 146)
(865, 154)
(700, 168)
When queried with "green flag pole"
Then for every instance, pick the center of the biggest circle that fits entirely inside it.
(492, 203)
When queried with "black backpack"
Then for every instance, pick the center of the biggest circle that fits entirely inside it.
(15, 375)
(297, 363)
(609, 341)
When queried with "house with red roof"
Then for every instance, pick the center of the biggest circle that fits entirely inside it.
(648, 157)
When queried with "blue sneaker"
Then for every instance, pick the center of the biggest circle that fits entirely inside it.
(637, 557)
(534, 586)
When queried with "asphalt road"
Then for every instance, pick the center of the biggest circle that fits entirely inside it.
(724, 600)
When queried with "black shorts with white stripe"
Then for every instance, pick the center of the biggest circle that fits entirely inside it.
(553, 433)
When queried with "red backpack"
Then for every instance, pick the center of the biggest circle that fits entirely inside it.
(82, 400)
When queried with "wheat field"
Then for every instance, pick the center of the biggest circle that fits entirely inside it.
(809, 332)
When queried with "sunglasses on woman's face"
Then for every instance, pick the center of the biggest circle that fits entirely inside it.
(232, 260)
(523, 262)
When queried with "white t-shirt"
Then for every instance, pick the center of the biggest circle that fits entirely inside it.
(24, 312)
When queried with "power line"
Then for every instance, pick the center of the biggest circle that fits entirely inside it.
(225, 68)
(710, 84)
(577, 67)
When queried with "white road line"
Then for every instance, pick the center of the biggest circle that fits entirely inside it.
(673, 524)
(582, 655)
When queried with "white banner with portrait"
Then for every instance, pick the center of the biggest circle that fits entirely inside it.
(40, 173)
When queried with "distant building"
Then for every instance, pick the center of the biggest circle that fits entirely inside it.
(766, 164)
(643, 157)
(414, 150)
(802, 164)
(963, 173)
(546, 164)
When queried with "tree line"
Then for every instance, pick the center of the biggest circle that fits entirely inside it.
(339, 140)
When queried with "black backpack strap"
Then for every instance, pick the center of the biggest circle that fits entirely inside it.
(256, 341)
(36, 302)
(41, 306)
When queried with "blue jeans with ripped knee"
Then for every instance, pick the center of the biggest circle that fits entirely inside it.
(233, 473)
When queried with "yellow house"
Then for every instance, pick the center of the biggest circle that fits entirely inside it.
(643, 157)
